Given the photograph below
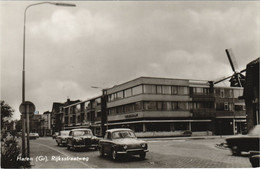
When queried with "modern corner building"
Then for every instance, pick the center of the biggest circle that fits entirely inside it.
(148, 104)
(160, 104)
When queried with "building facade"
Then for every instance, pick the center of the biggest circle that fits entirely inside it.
(47, 123)
(160, 104)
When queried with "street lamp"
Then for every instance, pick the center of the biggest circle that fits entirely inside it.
(23, 74)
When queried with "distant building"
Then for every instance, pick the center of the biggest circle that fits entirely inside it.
(36, 124)
(57, 117)
(47, 123)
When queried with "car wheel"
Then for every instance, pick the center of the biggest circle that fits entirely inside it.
(101, 151)
(142, 156)
(114, 154)
(235, 151)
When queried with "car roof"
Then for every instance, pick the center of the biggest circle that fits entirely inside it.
(119, 129)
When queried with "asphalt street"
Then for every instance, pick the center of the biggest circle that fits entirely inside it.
(163, 153)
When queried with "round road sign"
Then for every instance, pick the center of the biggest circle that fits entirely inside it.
(27, 106)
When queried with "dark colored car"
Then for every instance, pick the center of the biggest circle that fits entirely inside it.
(62, 137)
(245, 143)
(122, 142)
(254, 158)
(55, 135)
(82, 138)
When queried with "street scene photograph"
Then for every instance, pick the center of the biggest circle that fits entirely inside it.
(129, 84)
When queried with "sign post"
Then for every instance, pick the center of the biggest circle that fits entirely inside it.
(27, 109)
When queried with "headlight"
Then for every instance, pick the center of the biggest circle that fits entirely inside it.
(125, 147)
(144, 145)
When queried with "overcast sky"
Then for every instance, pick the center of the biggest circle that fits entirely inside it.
(102, 44)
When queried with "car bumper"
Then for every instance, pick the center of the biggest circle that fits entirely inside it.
(133, 151)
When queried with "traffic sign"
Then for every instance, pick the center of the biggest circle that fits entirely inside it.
(27, 107)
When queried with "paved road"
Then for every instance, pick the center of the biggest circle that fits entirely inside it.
(164, 153)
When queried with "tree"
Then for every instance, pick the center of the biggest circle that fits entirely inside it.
(6, 112)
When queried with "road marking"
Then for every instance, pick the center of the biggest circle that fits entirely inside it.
(88, 166)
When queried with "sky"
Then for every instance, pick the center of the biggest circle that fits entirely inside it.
(106, 43)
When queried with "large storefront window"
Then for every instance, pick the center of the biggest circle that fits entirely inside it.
(151, 89)
(137, 90)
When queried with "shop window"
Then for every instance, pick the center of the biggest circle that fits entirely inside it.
(137, 90)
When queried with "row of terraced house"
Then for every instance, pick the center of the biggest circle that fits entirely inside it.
(152, 106)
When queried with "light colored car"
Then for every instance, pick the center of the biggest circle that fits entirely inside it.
(121, 141)
(245, 143)
(62, 137)
(32, 135)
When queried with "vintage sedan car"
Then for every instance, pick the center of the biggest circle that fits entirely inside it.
(122, 142)
(82, 138)
(62, 137)
(32, 135)
(245, 143)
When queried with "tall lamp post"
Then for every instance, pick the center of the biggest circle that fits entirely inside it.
(23, 78)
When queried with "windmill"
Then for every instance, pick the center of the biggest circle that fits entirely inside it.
(237, 79)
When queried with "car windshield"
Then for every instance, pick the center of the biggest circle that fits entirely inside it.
(123, 134)
(83, 133)
(255, 131)
(64, 133)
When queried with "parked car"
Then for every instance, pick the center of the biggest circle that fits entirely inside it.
(32, 135)
(121, 141)
(62, 137)
(82, 138)
(55, 135)
(245, 143)
(254, 158)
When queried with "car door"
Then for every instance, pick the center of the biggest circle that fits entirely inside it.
(69, 140)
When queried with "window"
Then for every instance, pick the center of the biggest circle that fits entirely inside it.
(150, 105)
(128, 92)
(120, 110)
(222, 93)
(129, 108)
(174, 90)
(137, 90)
(183, 105)
(226, 106)
(175, 105)
(120, 95)
(138, 106)
(167, 105)
(182, 90)
(159, 106)
(159, 89)
(151, 89)
(166, 89)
